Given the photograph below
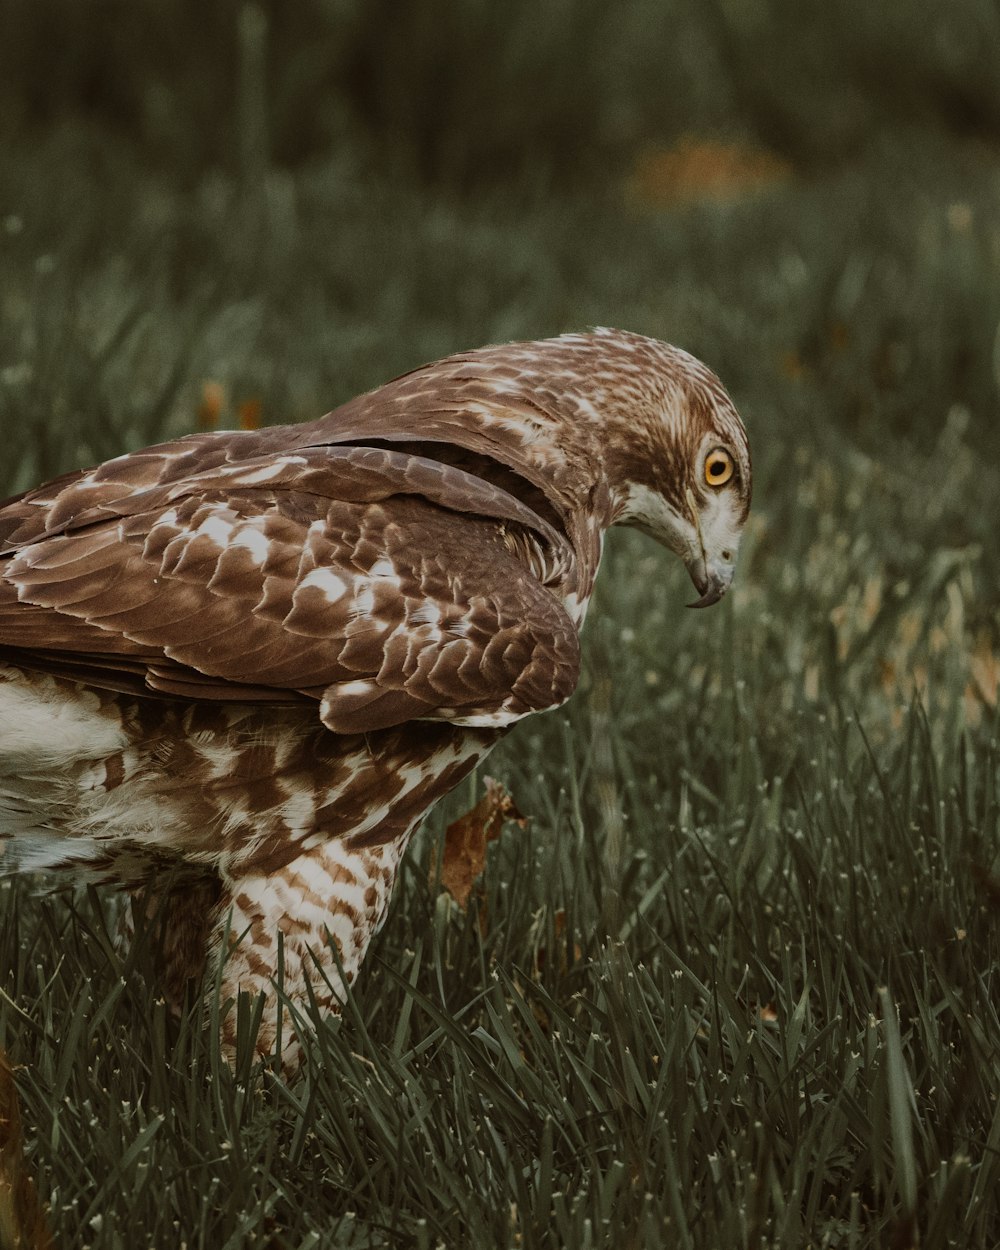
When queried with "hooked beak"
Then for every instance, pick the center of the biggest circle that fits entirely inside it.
(710, 580)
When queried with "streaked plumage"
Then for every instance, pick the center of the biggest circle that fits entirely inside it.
(239, 668)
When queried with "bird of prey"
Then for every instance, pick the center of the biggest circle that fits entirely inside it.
(237, 669)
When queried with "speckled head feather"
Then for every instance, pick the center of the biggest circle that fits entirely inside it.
(262, 656)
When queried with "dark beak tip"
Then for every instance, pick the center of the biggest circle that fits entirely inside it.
(710, 596)
(709, 583)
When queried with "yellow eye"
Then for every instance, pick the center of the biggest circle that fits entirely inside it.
(719, 467)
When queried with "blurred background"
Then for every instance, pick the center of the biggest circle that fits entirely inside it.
(217, 213)
(232, 213)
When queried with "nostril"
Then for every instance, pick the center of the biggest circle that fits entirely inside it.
(727, 554)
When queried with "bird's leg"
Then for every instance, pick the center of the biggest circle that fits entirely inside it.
(182, 915)
(304, 928)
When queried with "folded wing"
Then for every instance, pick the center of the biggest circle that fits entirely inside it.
(385, 586)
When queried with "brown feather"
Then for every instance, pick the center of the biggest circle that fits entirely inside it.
(222, 658)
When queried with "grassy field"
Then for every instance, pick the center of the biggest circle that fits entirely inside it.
(736, 984)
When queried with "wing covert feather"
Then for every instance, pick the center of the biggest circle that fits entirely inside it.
(380, 583)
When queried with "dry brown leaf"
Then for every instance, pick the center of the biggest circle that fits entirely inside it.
(213, 400)
(701, 169)
(792, 366)
(985, 670)
(22, 1217)
(249, 413)
(466, 839)
(840, 336)
(886, 675)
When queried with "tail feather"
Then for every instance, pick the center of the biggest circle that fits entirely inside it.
(41, 853)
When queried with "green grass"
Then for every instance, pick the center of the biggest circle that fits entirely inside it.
(763, 1015)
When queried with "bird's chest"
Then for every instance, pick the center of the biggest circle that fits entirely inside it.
(101, 780)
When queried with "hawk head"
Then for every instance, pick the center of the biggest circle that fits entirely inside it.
(682, 470)
(610, 426)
